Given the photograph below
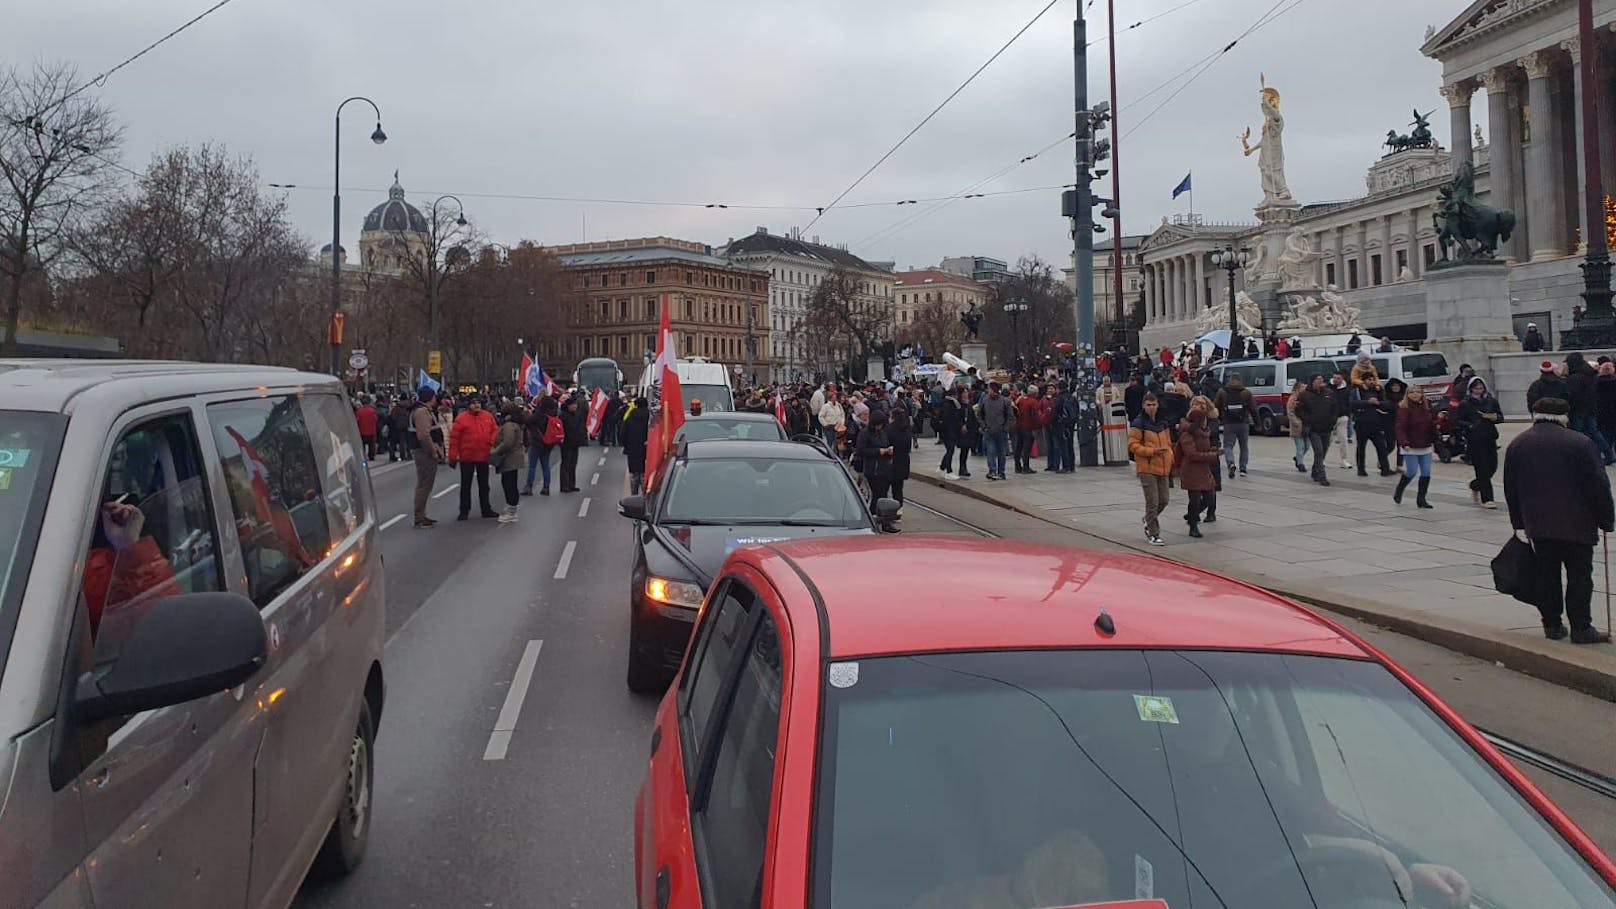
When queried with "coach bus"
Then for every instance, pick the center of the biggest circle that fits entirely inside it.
(598, 372)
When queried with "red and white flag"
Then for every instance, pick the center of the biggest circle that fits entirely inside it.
(664, 373)
(780, 409)
(597, 413)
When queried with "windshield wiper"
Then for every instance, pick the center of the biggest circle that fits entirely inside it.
(693, 522)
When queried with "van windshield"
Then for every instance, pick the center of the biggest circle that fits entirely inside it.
(713, 397)
(1425, 366)
(29, 444)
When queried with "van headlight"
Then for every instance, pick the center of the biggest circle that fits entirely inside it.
(674, 593)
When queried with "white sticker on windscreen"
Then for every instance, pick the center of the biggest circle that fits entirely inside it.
(843, 675)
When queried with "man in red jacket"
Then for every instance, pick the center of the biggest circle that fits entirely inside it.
(367, 417)
(470, 441)
(1028, 425)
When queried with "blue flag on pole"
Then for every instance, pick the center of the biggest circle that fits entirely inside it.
(427, 383)
(1182, 187)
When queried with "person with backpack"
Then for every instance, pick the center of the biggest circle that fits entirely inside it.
(544, 433)
(1235, 404)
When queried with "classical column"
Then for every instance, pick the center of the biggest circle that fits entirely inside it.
(1505, 152)
(1340, 256)
(1416, 257)
(1200, 284)
(1150, 293)
(1181, 288)
(1363, 254)
(1169, 298)
(1573, 47)
(1458, 98)
(1545, 197)
(1388, 262)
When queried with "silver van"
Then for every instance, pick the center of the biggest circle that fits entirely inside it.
(191, 622)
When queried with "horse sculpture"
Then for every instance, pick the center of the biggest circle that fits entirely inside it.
(1467, 230)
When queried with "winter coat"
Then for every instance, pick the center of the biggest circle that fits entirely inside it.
(1367, 417)
(1533, 342)
(1027, 414)
(901, 432)
(367, 419)
(831, 414)
(875, 465)
(1364, 375)
(1235, 404)
(1605, 391)
(1175, 405)
(1151, 446)
(950, 419)
(1584, 398)
(573, 423)
(1480, 432)
(1133, 400)
(1293, 422)
(1555, 486)
(1547, 386)
(997, 415)
(636, 428)
(509, 453)
(472, 437)
(1317, 410)
(1197, 457)
(399, 416)
(1416, 427)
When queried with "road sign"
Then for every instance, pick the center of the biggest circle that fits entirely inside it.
(434, 361)
(358, 362)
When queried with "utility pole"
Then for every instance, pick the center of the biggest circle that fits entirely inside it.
(1078, 204)
(1121, 318)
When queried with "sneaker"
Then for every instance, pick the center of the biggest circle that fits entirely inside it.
(1242, 471)
(1345, 465)
(1157, 541)
(508, 517)
(426, 523)
(963, 476)
(1490, 506)
(1589, 635)
(545, 491)
(1231, 471)
(1555, 632)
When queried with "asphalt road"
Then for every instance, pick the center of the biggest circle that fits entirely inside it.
(487, 796)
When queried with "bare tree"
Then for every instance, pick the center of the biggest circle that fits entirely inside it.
(936, 328)
(57, 147)
(849, 321)
(1048, 318)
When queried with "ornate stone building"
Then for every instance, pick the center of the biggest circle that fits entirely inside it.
(919, 288)
(620, 284)
(1522, 55)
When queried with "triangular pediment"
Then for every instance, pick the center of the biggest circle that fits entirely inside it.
(1481, 18)
(1166, 234)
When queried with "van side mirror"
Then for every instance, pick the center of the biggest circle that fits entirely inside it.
(181, 648)
(632, 507)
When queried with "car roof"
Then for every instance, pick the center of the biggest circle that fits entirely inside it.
(717, 449)
(966, 594)
(51, 385)
(731, 416)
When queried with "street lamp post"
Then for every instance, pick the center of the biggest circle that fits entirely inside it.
(1232, 260)
(1015, 308)
(377, 137)
(432, 270)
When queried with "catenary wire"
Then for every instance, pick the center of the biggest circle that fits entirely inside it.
(935, 111)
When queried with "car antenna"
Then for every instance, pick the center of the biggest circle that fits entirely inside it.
(1104, 624)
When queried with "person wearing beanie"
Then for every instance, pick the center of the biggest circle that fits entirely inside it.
(1547, 385)
(1559, 501)
(1479, 416)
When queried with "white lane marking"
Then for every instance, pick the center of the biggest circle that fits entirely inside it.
(500, 739)
(583, 509)
(601, 463)
(393, 520)
(566, 560)
(451, 488)
(594, 479)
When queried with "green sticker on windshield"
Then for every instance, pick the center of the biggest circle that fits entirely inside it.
(1155, 708)
(5, 478)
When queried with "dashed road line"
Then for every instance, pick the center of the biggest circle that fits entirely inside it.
(505, 726)
(566, 560)
(393, 520)
(452, 487)
(594, 479)
(583, 509)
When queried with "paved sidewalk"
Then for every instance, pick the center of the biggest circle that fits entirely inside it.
(1347, 548)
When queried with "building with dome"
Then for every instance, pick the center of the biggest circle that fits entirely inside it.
(394, 233)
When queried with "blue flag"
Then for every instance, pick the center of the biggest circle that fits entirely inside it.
(1182, 187)
(427, 383)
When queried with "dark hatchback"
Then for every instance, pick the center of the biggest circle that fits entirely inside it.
(712, 498)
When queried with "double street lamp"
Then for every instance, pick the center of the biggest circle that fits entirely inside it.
(1015, 308)
(1232, 260)
(378, 137)
(432, 270)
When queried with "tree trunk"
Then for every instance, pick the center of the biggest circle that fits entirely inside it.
(8, 346)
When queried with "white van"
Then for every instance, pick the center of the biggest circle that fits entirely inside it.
(700, 378)
(1270, 379)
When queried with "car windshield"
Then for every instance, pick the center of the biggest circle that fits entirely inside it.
(762, 491)
(713, 397)
(754, 430)
(1425, 366)
(1207, 779)
(29, 443)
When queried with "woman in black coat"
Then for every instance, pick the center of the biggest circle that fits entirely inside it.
(632, 434)
(902, 432)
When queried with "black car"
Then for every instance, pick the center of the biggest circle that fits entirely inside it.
(711, 498)
(734, 424)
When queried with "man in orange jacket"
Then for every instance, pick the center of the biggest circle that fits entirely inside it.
(470, 441)
(1151, 445)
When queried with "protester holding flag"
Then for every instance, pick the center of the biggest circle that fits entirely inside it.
(597, 414)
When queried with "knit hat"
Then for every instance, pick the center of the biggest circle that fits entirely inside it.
(1546, 366)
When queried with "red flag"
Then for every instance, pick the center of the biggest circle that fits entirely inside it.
(664, 373)
(521, 375)
(780, 410)
(597, 413)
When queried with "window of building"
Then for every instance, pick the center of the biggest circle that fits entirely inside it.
(1375, 277)
(650, 277)
(605, 310)
(587, 280)
(1329, 273)
(1402, 261)
(690, 308)
(690, 277)
(622, 345)
(622, 310)
(270, 469)
(1430, 255)
(1352, 274)
(586, 347)
(650, 309)
(622, 279)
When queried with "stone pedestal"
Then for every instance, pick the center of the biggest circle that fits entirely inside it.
(1277, 223)
(976, 354)
(875, 369)
(1467, 315)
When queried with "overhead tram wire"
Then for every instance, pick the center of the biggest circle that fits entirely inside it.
(1148, 19)
(935, 111)
(1198, 67)
(101, 80)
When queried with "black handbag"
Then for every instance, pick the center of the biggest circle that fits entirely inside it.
(1515, 570)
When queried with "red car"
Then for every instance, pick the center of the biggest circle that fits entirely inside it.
(938, 722)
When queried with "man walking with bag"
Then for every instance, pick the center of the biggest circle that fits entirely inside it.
(1559, 501)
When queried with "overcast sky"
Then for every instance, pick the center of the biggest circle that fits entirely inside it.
(747, 103)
